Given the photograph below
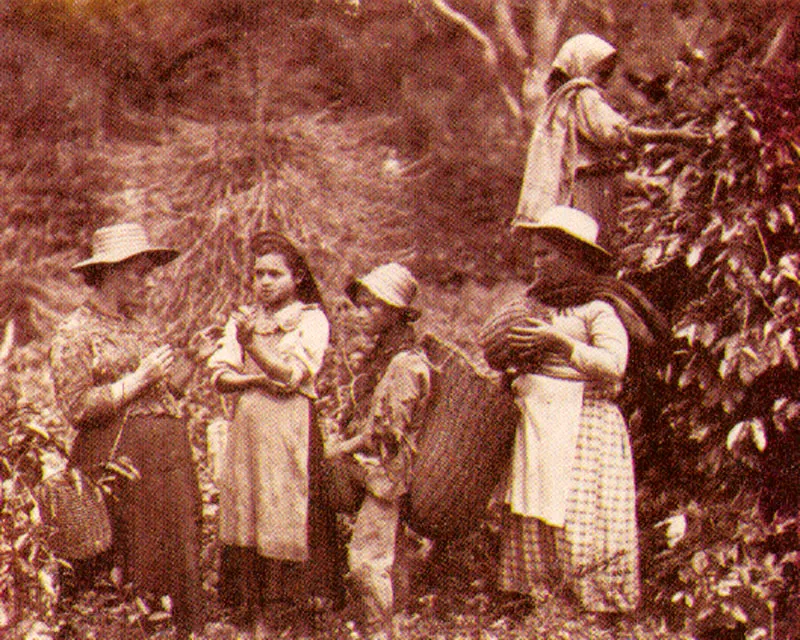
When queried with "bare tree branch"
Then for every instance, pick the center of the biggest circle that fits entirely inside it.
(8, 340)
(489, 51)
(508, 32)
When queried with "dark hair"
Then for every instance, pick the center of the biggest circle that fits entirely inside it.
(265, 242)
(554, 81)
(593, 260)
(94, 275)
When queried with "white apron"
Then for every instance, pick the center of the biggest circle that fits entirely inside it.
(544, 447)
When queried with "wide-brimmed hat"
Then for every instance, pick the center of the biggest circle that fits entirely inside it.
(391, 283)
(573, 223)
(119, 242)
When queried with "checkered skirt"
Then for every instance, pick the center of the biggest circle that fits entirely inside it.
(595, 555)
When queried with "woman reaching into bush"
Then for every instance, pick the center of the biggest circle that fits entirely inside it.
(574, 141)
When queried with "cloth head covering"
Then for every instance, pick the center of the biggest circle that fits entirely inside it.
(119, 242)
(391, 283)
(580, 55)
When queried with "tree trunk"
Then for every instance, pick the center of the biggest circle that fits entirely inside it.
(548, 19)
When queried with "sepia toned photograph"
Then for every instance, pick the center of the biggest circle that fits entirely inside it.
(399, 319)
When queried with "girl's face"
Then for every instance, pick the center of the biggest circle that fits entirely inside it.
(374, 316)
(274, 283)
(604, 71)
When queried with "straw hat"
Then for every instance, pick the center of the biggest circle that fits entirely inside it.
(391, 283)
(119, 242)
(574, 224)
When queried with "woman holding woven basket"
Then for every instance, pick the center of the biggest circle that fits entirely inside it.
(570, 517)
(116, 381)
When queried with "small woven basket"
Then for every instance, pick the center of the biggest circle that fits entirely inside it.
(343, 484)
(75, 509)
(463, 447)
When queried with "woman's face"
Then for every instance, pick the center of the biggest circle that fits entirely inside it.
(273, 281)
(130, 284)
(374, 316)
(602, 72)
(549, 265)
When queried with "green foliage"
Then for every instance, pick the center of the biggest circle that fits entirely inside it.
(724, 571)
(28, 568)
(722, 221)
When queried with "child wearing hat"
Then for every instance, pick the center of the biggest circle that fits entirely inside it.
(391, 393)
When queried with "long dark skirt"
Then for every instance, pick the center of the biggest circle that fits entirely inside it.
(156, 519)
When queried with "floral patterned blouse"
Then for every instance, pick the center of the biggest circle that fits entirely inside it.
(91, 350)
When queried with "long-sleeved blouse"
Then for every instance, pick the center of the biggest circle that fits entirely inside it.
(576, 135)
(91, 350)
(264, 485)
(551, 401)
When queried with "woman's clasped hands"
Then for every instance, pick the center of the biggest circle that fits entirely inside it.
(535, 337)
(155, 365)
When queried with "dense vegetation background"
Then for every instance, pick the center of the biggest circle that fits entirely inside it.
(396, 129)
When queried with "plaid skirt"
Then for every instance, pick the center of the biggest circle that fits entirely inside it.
(595, 555)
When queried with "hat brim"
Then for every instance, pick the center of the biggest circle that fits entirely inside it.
(159, 255)
(351, 290)
(594, 249)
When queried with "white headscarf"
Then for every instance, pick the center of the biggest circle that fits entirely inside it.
(580, 55)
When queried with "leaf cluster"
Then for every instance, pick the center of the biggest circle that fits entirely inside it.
(713, 234)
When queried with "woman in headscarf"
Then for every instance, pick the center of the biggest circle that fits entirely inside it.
(116, 381)
(571, 154)
(571, 504)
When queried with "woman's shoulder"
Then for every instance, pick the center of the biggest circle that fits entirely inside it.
(595, 308)
(74, 333)
(78, 322)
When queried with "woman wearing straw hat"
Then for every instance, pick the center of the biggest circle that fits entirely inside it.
(574, 141)
(389, 397)
(571, 510)
(115, 381)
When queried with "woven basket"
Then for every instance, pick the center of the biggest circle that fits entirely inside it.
(493, 336)
(343, 484)
(75, 509)
(463, 447)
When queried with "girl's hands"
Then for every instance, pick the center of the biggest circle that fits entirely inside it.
(245, 320)
(204, 343)
(536, 337)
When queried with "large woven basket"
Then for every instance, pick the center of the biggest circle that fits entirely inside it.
(463, 447)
